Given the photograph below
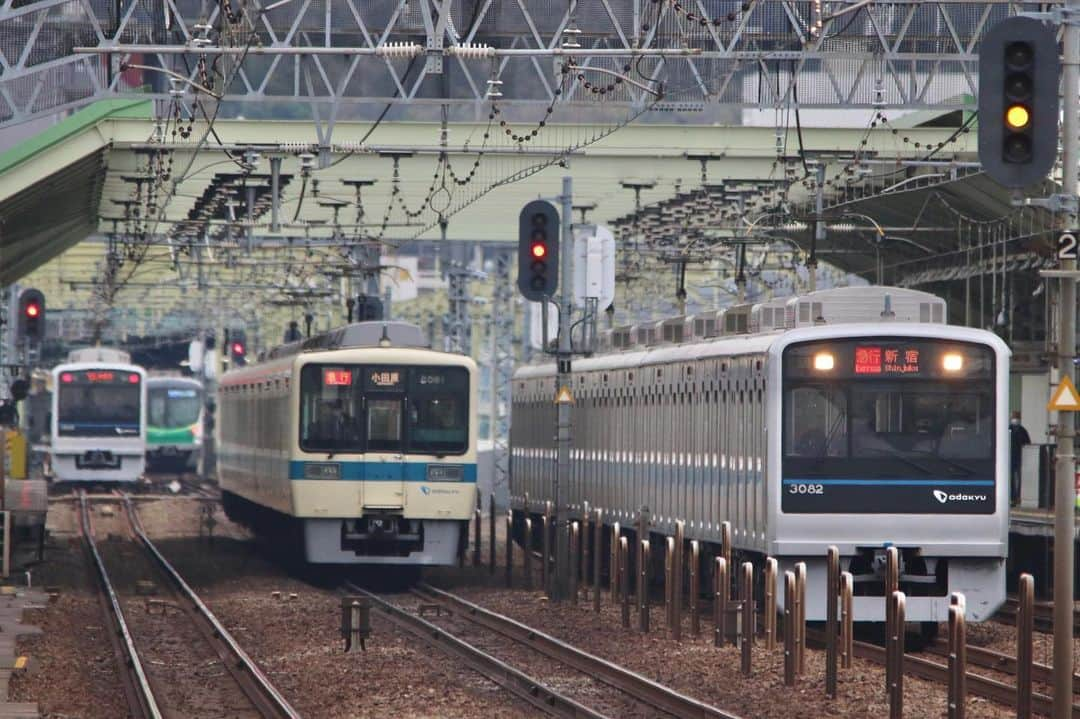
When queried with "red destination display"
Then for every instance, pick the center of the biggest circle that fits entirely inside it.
(886, 360)
(100, 376)
(337, 377)
(867, 360)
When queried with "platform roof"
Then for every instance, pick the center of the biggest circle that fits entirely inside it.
(72, 182)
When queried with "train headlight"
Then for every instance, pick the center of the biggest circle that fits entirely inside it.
(824, 361)
(952, 362)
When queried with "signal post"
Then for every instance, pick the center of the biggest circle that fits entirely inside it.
(1020, 78)
(541, 231)
(1065, 491)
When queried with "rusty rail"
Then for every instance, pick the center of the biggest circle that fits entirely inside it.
(255, 685)
(977, 684)
(641, 688)
(521, 685)
(140, 697)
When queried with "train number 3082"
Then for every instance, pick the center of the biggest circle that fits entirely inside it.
(806, 488)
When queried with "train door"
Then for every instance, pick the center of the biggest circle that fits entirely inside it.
(384, 470)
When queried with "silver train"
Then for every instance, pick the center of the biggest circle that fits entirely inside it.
(864, 423)
(98, 421)
(353, 447)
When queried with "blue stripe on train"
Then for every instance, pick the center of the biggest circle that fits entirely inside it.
(897, 482)
(376, 471)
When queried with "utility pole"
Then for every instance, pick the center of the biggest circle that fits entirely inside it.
(561, 586)
(1064, 489)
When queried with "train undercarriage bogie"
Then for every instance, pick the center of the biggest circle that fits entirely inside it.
(375, 539)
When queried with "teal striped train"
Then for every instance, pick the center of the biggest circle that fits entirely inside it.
(357, 446)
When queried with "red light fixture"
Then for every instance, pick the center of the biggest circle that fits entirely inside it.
(133, 378)
(32, 310)
(67, 378)
(539, 250)
(238, 348)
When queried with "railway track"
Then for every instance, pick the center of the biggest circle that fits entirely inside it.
(1000, 662)
(1044, 616)
(185, 613)
(641, 689)
(938, 673)
(544, 698)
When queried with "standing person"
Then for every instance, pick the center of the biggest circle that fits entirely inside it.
(1018, 437)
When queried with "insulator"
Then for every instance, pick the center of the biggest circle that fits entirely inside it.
(399, 50)
(471, 51)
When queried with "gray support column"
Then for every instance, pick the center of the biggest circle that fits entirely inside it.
(1064, 490)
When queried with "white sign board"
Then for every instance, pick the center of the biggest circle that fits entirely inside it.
(536, 324)
(195, 356)
(594, 265)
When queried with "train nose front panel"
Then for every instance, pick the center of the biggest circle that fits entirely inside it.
(383, 484)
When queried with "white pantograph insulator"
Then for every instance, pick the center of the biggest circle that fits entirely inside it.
(471, 51)
(399, 50)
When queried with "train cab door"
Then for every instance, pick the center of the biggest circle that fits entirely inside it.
(384, 468)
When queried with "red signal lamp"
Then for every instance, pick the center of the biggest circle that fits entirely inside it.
(237, 348)
(539, 250)
(33, 310)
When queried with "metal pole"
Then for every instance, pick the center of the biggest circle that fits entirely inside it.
(562, 471)
(275, 194)
(1065, 491)
(819, 225)
(832, 628)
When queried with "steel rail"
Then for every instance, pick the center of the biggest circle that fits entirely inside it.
(1044, 616)
(641, 688)
(521, 685)
(999, 661)
(939, 674)
(258, 688)
(140, 695)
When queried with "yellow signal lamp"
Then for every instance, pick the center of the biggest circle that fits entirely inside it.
(1017, 117)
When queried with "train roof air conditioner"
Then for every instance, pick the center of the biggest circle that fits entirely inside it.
(864, 304)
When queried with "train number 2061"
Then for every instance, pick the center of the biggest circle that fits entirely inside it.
(806, 488)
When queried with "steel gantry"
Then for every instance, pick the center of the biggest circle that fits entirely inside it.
(338, 58)
(502, 366)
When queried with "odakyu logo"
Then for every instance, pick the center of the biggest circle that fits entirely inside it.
(428, 491)
(945, 497)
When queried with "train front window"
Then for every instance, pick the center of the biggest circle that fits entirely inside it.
(354, 408)
(439, 410)
(98, 403)
(171, 408)
(330, 405)
(931, 419)
(888, 409)
(816, 422)
(384, 424)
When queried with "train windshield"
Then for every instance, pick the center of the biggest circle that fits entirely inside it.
(173, 407)
(889, 408)
(366, 408)
(98, 403)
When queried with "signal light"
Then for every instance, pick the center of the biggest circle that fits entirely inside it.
(1018, 101)
(538, 250)
(31, 325)
(1017, 117)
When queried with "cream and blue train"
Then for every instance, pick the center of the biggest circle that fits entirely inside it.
(357, 446)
